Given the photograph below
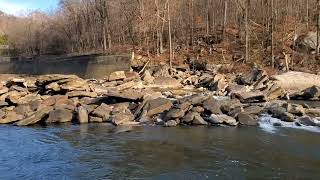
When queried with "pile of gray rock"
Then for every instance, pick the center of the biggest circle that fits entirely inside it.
(154, 97)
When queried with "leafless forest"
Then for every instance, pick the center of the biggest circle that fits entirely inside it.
(239, 31)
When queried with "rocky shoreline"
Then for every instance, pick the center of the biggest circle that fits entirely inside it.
(157, 97)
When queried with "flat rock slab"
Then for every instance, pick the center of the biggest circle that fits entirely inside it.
(166, 82)
(47, 79)
(250, 97)
(196, 99)
(158, 106)
(129, 94)
(296, 81)
(36, 117)
(10, 117)
(178, 112)
(81, 94)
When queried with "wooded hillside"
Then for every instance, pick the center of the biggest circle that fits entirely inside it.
(221, 30)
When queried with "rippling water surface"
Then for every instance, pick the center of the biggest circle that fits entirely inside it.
(93, 152)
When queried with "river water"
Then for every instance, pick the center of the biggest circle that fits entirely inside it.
(94, 152)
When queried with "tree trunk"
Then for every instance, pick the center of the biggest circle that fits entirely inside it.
(170, 38)
(307, 14)
(271, 33)
(225, 19)
(247, 29)
(318, 28)
(207, 18)
(104, 37)
(192, 22)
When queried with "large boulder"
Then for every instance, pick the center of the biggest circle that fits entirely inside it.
(198, 120)
(306, 42)
(9, 117)
(221, 106)
(196, 99)
(313, 112)
(103, 111)
(296, 81)
(120, 108)
(162, 71)
(274, 92)
(189, 117)
(166, 82)
(198, 109)
(125, 118)
(13, 97)
(234, 88)
(229, 105)
(253, 110)
(311, 93)
(281, 114)
(157, 106)
(118, 75)
(295, 109)
(250, 97)
(247, 119)
(171, 123)
(36, 117)
(261, 83)
(54, 86)
(27, 98)
(90, 108)
(307, 121)
(148, 78)
(55, 100)
(179, 111)
(60, 116)
(213, 106)
(222, 119)
(252, 77)
(74, 85)
(23, 109)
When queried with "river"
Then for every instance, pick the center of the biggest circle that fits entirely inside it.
(93, 152)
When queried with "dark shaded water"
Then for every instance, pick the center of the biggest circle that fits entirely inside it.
(91, 152)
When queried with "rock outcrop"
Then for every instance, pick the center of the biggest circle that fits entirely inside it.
(126, 99)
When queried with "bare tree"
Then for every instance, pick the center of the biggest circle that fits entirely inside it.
(162, 27)
(318, 28)
(247, 4)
